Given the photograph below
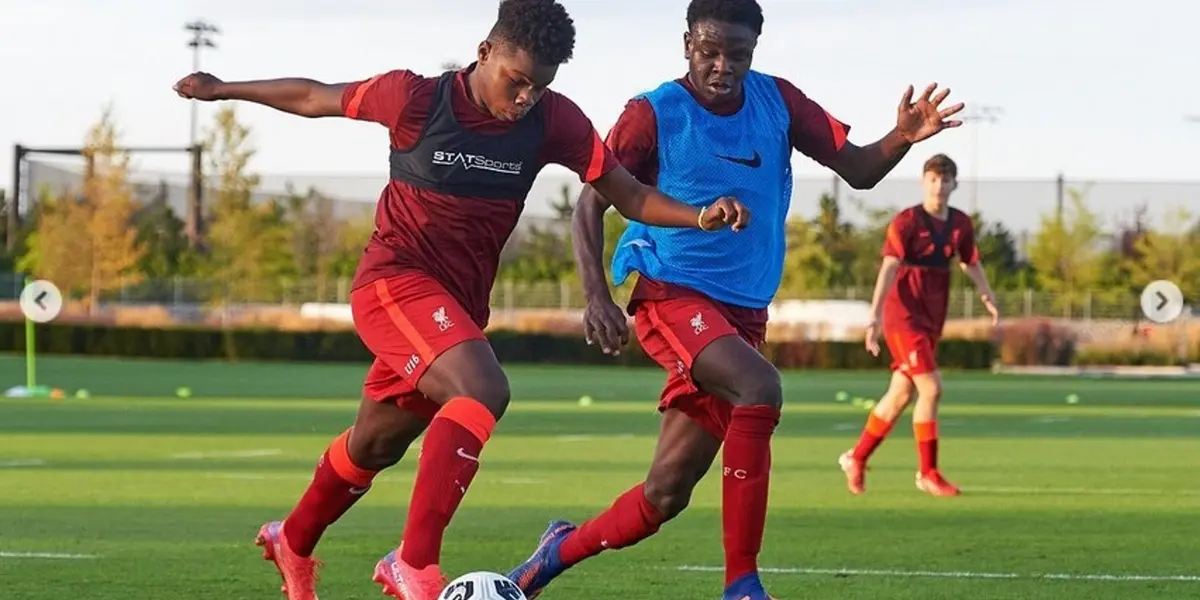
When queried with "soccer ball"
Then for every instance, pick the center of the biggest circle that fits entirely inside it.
(482, 585)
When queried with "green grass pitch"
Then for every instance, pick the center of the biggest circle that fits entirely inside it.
(134, 493)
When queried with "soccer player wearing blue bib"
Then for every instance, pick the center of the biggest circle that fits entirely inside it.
(700, 301)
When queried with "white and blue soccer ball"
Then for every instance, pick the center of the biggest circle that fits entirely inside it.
(482, 585)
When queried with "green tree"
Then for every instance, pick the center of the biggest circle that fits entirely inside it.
(314, 233)
(249, 252)
(543, 251)
(836, 237)
(161, 233)
(353, 234)
(85, 243)
(115, 249)
(998, 252)
(1065, 252)
(806, 266)
(866, 243)
(58, 248)
(6, 263)
(1171, 252)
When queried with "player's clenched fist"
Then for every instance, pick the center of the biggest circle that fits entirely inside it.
(726, 211)
(198, 86)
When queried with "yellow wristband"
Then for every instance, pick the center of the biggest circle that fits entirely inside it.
(700, 219)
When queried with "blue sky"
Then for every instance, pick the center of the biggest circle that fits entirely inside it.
(1095, 89)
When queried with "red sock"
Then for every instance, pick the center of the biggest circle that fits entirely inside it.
(745, 486)
(872, 436)
(448, 463)
(629, 520)
(926, 433)
(336, 485)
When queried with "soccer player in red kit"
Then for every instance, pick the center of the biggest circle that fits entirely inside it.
(910, 301)
(465, 149)
(700, 305)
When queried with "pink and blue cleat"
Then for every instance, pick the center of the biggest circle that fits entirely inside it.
(533, 575)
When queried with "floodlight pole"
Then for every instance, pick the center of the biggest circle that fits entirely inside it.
(202, 32)
(984, 113)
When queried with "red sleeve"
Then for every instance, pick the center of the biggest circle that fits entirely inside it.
(895, 242)
(380, 99)
(814, 132)
(572, 141)
(967, 251)
(634, 140)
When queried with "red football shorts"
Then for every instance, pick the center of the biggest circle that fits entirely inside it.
(407, 321)
(913, 353)
(673, 331)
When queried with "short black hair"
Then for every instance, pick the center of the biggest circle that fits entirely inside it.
(738, 12)
(540, 27)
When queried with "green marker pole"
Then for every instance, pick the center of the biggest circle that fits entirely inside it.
(30, 354)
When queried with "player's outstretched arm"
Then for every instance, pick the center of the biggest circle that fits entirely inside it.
(883, 284)
(645, 204)
(298, 96)
(865, 166)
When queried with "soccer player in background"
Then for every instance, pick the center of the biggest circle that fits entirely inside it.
(910, 301)
(700, 304)
(465, 149)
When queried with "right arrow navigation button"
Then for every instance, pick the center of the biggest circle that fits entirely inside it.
(1162, 301)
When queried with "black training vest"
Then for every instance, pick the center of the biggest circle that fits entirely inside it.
(942, 249)
(449, 159)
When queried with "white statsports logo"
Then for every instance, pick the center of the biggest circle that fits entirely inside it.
(476, 161)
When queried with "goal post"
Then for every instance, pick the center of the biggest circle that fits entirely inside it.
(193, 219)
(21, 156)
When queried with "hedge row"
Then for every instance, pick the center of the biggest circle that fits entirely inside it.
(1135, 358)
(345, 346)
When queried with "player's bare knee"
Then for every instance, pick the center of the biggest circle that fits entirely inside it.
(376, 448)
(929, 390)
(493, 393)
(469, 370)
(758, 387)
(669, 490)
(892, 405)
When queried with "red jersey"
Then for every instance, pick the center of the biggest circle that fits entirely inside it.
(634, 140)
(457, 239)
(924, 244)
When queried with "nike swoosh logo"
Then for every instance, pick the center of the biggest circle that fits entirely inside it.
(753, 162)
(463, 453)
(358, 491)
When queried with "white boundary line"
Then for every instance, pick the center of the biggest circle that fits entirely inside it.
(1112, 577)
(227, 454)
(21, 462)
(51, 555)
(1079, 491)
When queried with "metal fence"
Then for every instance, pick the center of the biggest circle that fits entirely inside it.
(1019, 203)
(568, 295)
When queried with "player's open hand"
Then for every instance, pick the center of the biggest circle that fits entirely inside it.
(605, 323)
(923, 119)
(725, 212)
(990, 304)
(872, 338)
(198, 86)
